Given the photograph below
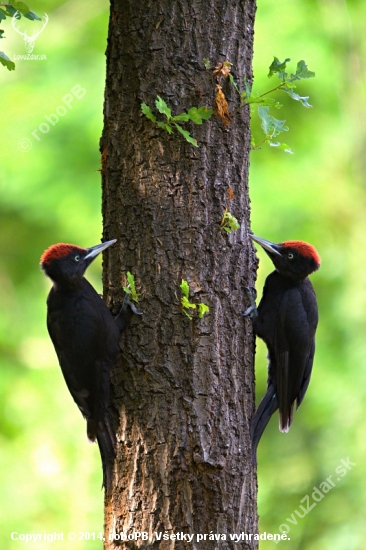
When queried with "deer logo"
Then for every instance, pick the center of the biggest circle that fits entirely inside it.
(28, 40)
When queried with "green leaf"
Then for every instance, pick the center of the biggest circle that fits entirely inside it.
(148, 112)
(165, 127)
(131, 288)
(229, 223)
(10, 10)
(286, 148)
(32, 16)
(184, 117)
(278, 126)
(282, 146)
(184, 286)
(271, 126)
(243, 97)
(4, 60)
(297, 97)
(2, 15)
(186, 135)
(302, 71)
(187, 304)
(265, 101)
(287, 85)
(162, 107)
(265, 118)
(20, 6)
(278, 67)
(248, 88)
(194, 115)
(206, 63)
(1, 34)
(204, 112)
(200, 114)
(231, 78)
(186, 313)
(202, 309)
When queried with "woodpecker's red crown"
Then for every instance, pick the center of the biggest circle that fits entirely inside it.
(66, 263)
(304, 249)
(58, 251)
(293, 259)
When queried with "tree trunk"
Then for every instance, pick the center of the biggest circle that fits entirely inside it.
(183, 389)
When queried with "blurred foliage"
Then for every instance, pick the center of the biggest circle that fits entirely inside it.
(318, 195)
(15, 10)
(50, 191)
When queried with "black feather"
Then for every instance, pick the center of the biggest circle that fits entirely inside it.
(286, 320)
(86, 339)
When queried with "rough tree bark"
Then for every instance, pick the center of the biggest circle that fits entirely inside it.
(183, 390)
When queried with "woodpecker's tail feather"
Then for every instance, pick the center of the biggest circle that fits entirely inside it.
(262, 415)
(107, 447)
(91, 429)
(285, 420)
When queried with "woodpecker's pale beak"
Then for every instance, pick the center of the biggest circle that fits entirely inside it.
(97, 249)
(267, 245)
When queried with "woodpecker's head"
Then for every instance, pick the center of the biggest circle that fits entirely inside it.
(67, 262)
(293, 259)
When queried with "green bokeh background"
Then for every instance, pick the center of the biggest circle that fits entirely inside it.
(49, 475)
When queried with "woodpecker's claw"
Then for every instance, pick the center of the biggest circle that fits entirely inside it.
(252, 309)
(125, 313)
(127, 303)
(134, 308)
(249, 311)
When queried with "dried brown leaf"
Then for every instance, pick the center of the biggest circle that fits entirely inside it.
(222, 109)
(222, 70)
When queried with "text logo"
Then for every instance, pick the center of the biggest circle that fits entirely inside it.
(29, 41)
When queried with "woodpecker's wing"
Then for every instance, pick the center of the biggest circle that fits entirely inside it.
(90, 395)
(294, 350)
(86, 342)
(82, 374)
(307, 375)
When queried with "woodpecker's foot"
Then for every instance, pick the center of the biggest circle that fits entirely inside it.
(127, 310)
(251, 311)
(127, 303)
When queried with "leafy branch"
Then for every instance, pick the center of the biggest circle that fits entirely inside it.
(16, 9)
(195, 115)
(272, 126)
(201, 308)
(131, 288)
(286, 85)
(229, 223)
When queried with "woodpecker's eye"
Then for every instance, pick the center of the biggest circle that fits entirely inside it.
(290, 256)
(77, 258)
